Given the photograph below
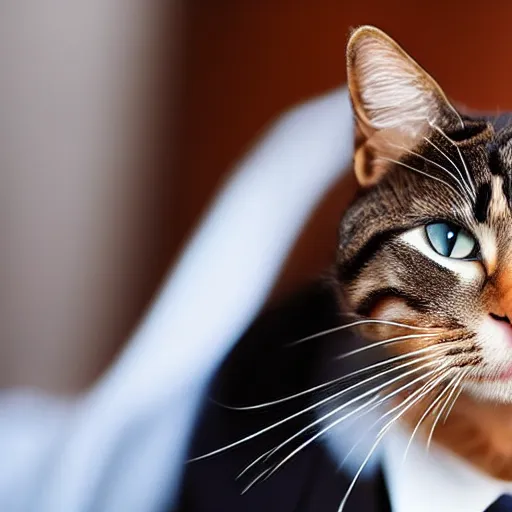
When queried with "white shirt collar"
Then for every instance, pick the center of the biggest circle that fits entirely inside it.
(437, 480)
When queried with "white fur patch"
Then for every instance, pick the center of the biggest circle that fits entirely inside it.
(466, 270)
(494, 339)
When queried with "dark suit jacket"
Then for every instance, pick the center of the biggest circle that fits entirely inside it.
(262, 368)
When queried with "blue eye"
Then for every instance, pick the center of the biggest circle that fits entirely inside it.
(451, 241)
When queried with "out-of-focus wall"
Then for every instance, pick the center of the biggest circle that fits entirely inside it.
(245, 61)
(84, 90)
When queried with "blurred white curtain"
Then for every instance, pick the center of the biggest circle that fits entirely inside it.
(122, 446)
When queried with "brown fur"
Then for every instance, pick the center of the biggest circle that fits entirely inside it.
(381, 277)
(479, 432)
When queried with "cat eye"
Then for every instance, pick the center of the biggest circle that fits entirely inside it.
(451, 241)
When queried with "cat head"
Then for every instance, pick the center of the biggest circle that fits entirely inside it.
(427, 243)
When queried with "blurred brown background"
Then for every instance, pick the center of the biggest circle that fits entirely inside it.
(246, 61)
(173, 93)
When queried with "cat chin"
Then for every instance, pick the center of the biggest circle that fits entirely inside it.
(492, 391)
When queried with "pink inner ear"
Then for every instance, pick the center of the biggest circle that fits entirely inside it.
(389, 89)
(393, 143)
(381, 150)
(393, 96)
(395, 102)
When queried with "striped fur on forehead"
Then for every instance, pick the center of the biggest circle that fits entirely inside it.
(405, 198)
(425, 251)
(500, 157)
(402, 201)
(373, 261)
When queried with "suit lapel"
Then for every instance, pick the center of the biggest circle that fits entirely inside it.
(260, 369)
(325, 486)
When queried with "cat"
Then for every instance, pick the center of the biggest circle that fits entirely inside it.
(421, 272)
(427, 244)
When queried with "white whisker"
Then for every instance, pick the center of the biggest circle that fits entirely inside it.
(354, 324)
(264, 472)
(386, 342)
(323, 418)
(461, 389)
(428, 160)
(397, 162)
(338, 380)
(470, 181)
(420, 421)
(274, 450)
(453, 383)
(383, 431)
(356, 399)
(468, 190)
(346, 404)
(297, 414)
(423, 391)
(253, 463)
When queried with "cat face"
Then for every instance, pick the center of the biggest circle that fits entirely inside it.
(428, 241)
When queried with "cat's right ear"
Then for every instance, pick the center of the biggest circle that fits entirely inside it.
(395, 102)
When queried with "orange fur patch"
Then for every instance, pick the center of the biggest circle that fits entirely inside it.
(504, 289)
(480, 433)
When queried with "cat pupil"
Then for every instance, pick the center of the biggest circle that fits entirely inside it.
(450, 241)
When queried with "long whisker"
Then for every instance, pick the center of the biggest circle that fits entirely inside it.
(457, 180)
(274, 450)
(386, 342)
(470, 181)
(461, 389)
(264, 473)
(354, 324)
(356, 399)
(297, 414)
(423, 391)
(453, 383)
(339, 420)
(338, 380)
(470, 192)
(449, 410)
(254, 462)
(269, 453)
(422, 419)
(397, 162)
(383, 431)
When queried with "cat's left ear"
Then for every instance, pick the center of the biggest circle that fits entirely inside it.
(395, 102)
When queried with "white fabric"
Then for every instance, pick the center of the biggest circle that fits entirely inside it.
(435, 481)
(121, 447)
